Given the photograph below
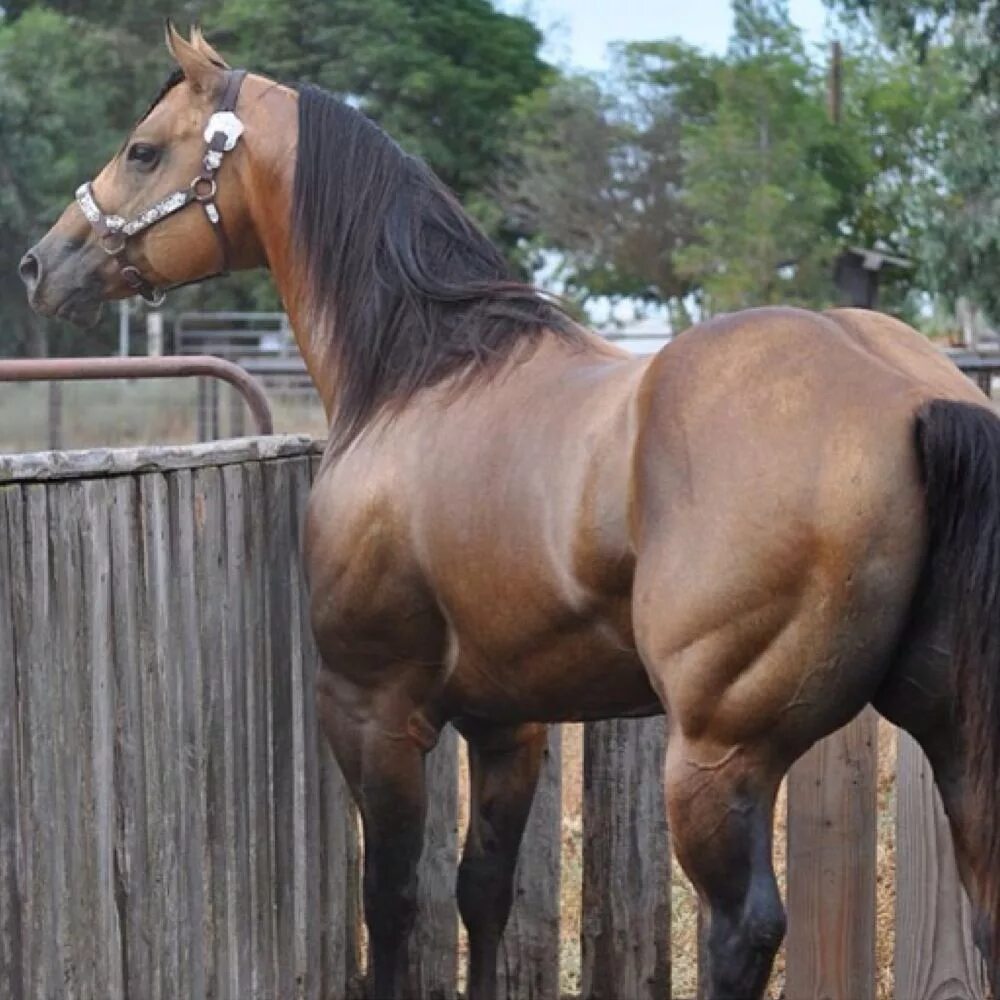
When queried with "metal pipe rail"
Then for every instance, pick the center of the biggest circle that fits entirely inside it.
(171, 366)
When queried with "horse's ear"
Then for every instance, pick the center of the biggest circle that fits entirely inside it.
(199, 70)
(198, 39)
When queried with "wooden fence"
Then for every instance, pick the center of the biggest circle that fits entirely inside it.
(172, 828)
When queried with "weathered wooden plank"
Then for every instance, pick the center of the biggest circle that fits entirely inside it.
(303, 665)
(44, 875)
(50, 466)
(158, 665)
(193, 915)
(238, 616)
(210, 544)
(98, 654)
(434, 942)
(278, 624)
(131, 840)
(72, 690)
(259, 741)
(340, 882)
(528, 963)
(831, 867)
(935, 956)
(239, 648)
(12, 904)
(625, 927)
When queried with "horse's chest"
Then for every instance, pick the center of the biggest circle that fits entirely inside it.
(367, 592)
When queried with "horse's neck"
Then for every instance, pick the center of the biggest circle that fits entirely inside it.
(270, 183)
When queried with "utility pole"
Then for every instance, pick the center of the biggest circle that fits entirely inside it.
(835, 83)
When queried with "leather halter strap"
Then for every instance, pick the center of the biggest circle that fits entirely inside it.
(113, 232)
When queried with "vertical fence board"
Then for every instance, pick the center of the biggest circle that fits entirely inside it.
(210, 545)
(68, 631)
(131, 861)
(529, 951)
(234, 627)
(44, 875)
(831, 866)
(935, 956)
(160, 667)
(625, 926)
(278, 622)
(258, 665)
(193, 914)
(97, 661)
(304, 657)
(340, 886)
(434, 943)
(11, 898)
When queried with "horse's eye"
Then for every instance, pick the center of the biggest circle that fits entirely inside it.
(143, 154)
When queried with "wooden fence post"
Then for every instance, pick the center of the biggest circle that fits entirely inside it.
(529, 951)
(11, 904)
(831, 867)
(434, 942)
(935, 956)
(625, 927)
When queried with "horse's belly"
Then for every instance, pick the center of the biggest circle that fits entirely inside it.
(589, 672)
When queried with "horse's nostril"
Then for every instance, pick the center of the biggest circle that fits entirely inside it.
(30, 270)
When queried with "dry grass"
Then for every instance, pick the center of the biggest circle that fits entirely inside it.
(126, 413)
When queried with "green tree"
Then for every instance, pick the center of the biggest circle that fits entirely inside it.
(757, 171)
(595, 173)
(67, 94)
(960, 41)
(441, 76)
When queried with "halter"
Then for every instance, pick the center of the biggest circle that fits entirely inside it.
(113, 232)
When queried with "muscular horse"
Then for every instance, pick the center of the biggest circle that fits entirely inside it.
(780, 518)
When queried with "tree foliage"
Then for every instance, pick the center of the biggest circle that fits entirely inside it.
(680, 178)
(686, 177)
(440, 75)
(960, 41)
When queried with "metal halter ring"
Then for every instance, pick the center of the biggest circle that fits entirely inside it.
(112, 249)
(134, 278)
(201, 196)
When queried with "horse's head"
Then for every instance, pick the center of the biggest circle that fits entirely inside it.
(170, 208)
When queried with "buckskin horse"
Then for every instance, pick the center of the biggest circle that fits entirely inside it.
(780, 518)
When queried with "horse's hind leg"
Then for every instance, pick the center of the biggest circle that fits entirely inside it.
(383, 765)
(752, 674)
(720, 805)
(504, 763)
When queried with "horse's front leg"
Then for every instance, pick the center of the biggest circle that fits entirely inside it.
(504, 763)
(372, 734)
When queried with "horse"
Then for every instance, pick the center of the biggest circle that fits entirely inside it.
(782, 517)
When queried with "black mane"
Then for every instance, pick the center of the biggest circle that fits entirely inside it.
(402, 283)
(175, 78)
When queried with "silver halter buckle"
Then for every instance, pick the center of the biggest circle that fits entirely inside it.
(226, 123)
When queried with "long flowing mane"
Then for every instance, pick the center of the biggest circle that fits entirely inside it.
(403, 283)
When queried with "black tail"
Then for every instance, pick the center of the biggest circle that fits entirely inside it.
(959, 447)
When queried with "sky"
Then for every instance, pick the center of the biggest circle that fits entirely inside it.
(578, 31)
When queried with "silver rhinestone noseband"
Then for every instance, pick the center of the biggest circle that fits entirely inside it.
(222, 133)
